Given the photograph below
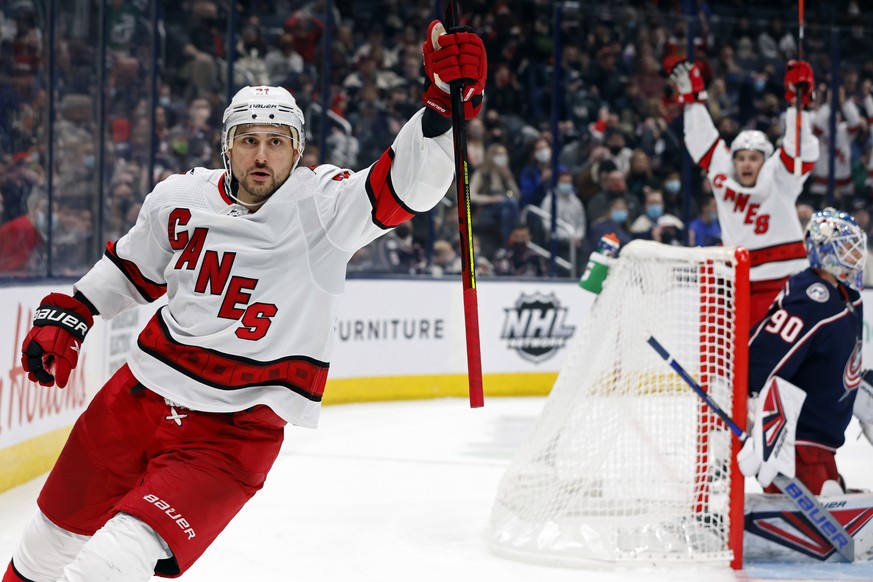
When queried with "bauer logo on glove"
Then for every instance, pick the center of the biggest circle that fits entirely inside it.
(51, 349)
(50, 315)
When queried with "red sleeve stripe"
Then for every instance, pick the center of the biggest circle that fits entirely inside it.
(805, 167)
(300, 374)
(706, 160)
(785, 252)
(388, 209)
(146, 287)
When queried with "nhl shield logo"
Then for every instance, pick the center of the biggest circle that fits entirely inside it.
(535, 327)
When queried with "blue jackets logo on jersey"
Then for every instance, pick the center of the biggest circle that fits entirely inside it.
(818, 292)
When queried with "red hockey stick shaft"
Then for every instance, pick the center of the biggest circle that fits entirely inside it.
(465, 231)
(798, 99)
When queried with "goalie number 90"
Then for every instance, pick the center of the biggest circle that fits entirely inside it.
(786, 326)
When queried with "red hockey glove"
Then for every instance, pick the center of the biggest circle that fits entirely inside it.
(458, 55)
(799, 78)
(51, 349)
(689, 83)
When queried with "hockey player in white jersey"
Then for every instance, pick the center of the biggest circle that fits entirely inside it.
(755, 187)
(252, 260)
(847, 126)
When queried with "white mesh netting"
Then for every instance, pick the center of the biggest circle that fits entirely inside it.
(625, 463)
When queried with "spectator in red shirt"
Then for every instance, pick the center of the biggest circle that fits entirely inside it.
(22, 238)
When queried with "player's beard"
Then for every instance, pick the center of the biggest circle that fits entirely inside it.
(263, 190)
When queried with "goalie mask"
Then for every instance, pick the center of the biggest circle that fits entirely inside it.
(836, 244)
(261, 106)
(752, 139)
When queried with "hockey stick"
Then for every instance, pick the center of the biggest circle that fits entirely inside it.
(465, 229)
(798, 100)
(810, 507)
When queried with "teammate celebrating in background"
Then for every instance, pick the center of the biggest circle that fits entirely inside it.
(252, 259)
(812, 338)
(755, 189)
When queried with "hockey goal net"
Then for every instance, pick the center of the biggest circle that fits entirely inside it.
(626, 463)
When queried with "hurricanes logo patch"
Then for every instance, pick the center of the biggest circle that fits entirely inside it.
(535, 327)
(818, 292)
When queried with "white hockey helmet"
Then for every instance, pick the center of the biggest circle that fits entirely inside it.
(262, 105)
(836, 244)
(752, 139)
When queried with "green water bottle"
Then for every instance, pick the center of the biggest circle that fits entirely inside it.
(598, 263)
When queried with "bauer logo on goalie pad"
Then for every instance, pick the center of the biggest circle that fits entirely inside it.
(535, 326)
(777, 531)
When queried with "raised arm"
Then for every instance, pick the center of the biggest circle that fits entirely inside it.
(702, 139)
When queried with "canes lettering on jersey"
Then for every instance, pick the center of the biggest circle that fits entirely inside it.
(215, 274)
(749, 212)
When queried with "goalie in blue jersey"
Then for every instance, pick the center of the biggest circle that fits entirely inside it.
(805, 363)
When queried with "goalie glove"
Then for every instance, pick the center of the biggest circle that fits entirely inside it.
(51, 349)
(689, 83)
(863, 409)
(458, 55)
(769, 448)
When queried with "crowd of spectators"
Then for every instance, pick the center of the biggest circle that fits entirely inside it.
(618, 148)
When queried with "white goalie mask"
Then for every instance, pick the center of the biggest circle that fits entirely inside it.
(836, 244)
(752, 139)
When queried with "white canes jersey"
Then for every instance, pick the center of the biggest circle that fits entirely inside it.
(252, 296)
(763, 218)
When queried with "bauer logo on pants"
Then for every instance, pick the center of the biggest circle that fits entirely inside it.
(535, 326)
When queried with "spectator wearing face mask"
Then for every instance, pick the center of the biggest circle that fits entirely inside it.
(569, 210)
(640, 178)
(536, 176)
(494, 196)
(517, 259)
(668, 230)
(397, 252)
(653, 211)
(619, 153)
(705, 231)
(614, 221)
(671, 187)
(614, 187)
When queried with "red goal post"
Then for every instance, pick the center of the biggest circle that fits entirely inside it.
(625, 464)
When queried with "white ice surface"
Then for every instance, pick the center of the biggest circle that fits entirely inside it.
(402, 491)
